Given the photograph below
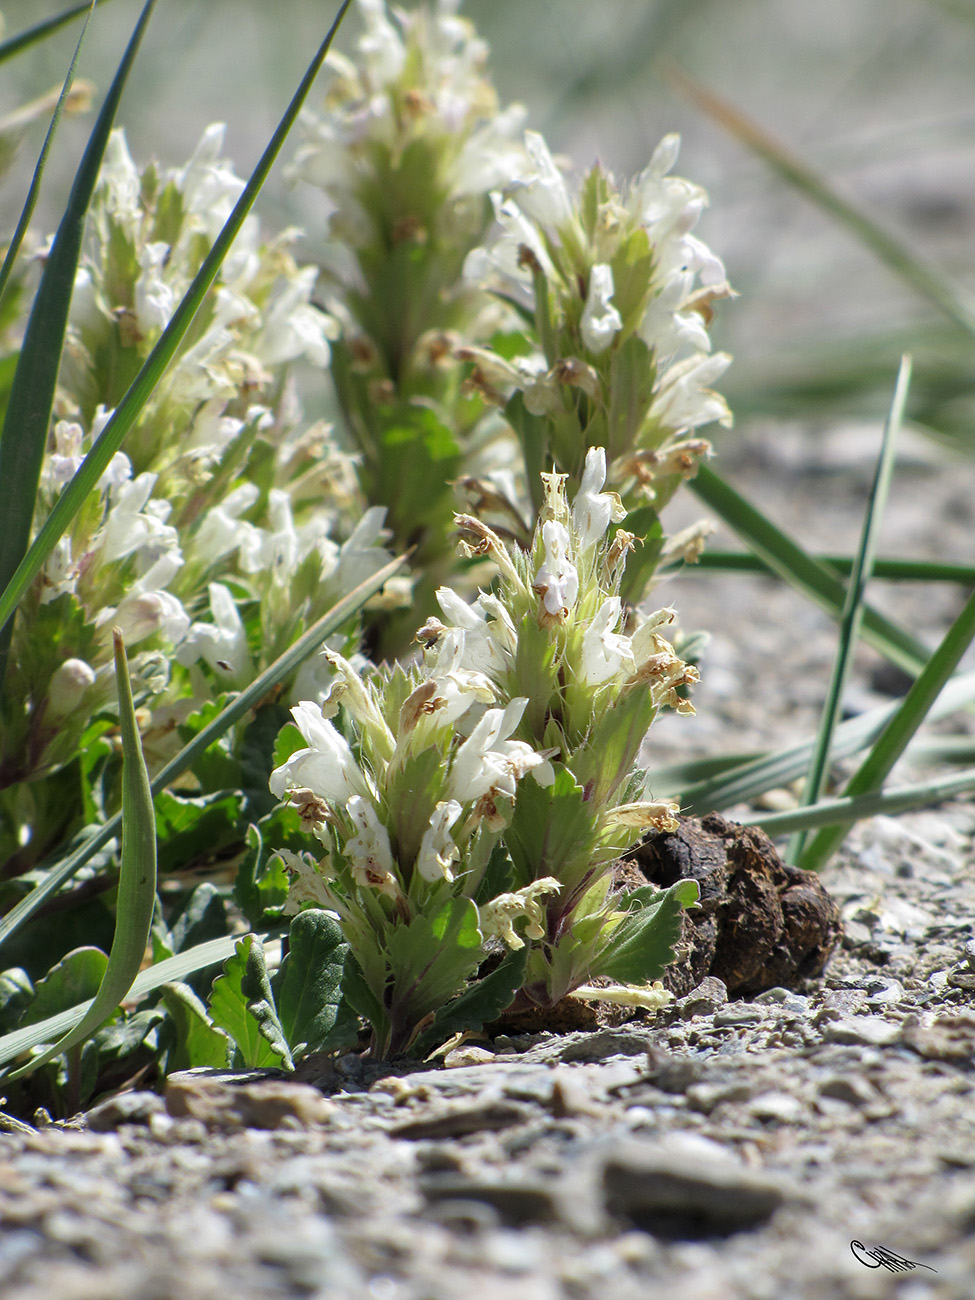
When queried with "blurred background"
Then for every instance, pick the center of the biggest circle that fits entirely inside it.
(877, 95)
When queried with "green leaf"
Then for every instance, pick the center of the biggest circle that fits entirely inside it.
(30, 202)
(173, 968)
(198, 1042)
(262, 882)
(47, 27)
(195, 828)
(308, 987)
(16, 992)
(137, 878)
(641, 563)
(242, 1004)
(632, 377)
(643, 946)
(552, 831)
(76, 977)
(848, 808)
(28, 416)
(801, 571)
(430, 960)
(853, 607)
(481, 1002)
(914, 708)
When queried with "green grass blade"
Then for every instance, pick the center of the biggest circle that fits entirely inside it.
(31, 400)
(896, 736)
(771, 771)
(888, 248)
(849, 809)
(787, 559)
(885, 567)
(852, 616)
(275, 673)
(31, 201)
(137, 879)
(154, 977)
(25, 39)
(131, 405)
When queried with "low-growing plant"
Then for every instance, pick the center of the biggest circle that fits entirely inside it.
(450, 582)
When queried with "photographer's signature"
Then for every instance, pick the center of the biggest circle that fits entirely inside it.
(881, 1257)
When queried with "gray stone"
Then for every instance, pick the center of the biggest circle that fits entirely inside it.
(868, 1031)
(489, 1115)
(516, 1200)
(709, 995)
(125, 1108)
(688, 1192)
(604, 1044)
(739, 1014)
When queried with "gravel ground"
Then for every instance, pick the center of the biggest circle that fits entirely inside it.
(719, 1149)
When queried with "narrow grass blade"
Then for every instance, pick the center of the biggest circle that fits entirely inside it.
(852, 615)
(131, 405)
(769, 772)
(849, 809)
(282, 667)
(31, 400)
(898, 256)
(154, 977)
(896, 736)
(137, 879)
(31, 201)
(787, 559)
(884, 567)
(40, 31)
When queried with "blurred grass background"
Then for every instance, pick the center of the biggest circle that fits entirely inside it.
(876, 94)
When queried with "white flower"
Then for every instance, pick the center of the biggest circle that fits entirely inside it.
(368, 853)
(557, 580)
(487, 645)
(644, 815)
(363, 553)
(438, 852)
(294, 328)
(155, 300)
(683, 400)
(133, 524)
(593, 509)
(222, 531)
(144, 613)
(601, 322)
(488, 765)
(497, 918)
(222, 643)
(327, 767)
(307, 885)
(542, 194)
(69, 682)
(604, 652)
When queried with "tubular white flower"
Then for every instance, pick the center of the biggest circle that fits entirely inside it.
(557, 580)
(593, 509)
(487, 764)
(69, 682)
(368, 852)
(497, 917)
(438, 852)
(222, 643)
(327, 766)
(601, 322)
(605, 652)
(131, 524)
(542, 194)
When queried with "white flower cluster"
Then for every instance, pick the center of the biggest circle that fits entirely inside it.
(359, 807)
(569, 245)
(417, 75)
